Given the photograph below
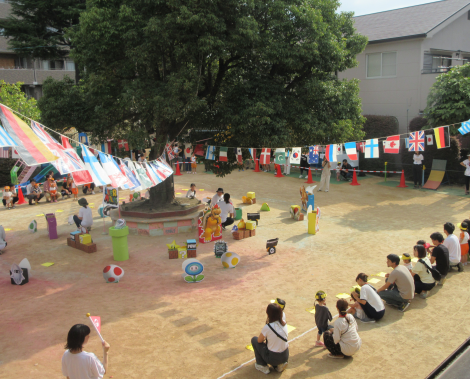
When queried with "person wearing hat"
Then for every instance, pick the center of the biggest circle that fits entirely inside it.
(46, 188)
(217, 197)
(322, 316)
(84, 217)
(466, 164)
(33, 192)
(7, 198)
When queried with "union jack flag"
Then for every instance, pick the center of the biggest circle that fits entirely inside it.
(416, 141)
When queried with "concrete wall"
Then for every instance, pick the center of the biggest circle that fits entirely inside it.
(391, 96)
(27, 76)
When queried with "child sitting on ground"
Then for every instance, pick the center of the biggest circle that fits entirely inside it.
(338, 172)
(426, 245)
(464, 242)
(53, 191)
(191, 194)
(322, 316)
(407, 261)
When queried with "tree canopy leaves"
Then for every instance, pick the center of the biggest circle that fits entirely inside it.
(13, 97)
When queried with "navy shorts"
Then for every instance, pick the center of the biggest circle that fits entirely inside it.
(323, 330)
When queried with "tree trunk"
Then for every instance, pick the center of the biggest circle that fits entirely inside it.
(162, 194)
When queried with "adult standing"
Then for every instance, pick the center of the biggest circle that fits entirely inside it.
(275, 351)
(399, 286)
(453, 245)
(228, 211)
(417, 168)
(466, 164)
(217, 197)
(343, 339)
(304, 166)
(325, 175)
(440, 256)
(79, 364)
(421, 273)
(369, 307)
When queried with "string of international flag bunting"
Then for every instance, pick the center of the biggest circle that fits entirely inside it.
(36, 146)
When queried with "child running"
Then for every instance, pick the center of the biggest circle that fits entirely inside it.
(322, 316)
(464, 242)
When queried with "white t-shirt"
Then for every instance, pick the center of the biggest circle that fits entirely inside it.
(191, 194)
(453, 245)
(465, 237)
(368, 294)
(215, 199)
(29, 189)
(346, 335)
(87, 216)
(275, 344)
(418, 158)
(466, 162)
(226, 209)
(7, 194)
(422, 271)
(83, 365)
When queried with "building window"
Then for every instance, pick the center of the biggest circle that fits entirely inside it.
(70, 66)
(381, 65)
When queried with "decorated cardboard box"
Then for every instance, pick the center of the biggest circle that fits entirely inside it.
(253, 233)
(85, 238)
(238, 235)
(250, 195)
(51, 226)
(88, 247)
(71, 242)
(173, 254)
(191, 246)
(75, 235)
(209, 225)
(250, 225)
(192, 254)
(182, 253)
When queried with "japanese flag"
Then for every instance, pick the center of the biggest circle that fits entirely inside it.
(429, 139)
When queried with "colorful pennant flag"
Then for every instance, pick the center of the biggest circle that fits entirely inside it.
(94, 168)
(280, 156)
(239, 155)
(465, 127)
(81, 175)
(392, 145)
(28, 145)
(372, 148)
(265, 157)
(295, 155)
(199, 150)
(429, 140)
(313, 156)
(442, 139)
(339, 149)
(5, 139)
(128, 174)
(160, 174)
(106, 148)
(4, 152)
(351, 150)
(330, 153)
(222, 154)
(210, 153)
(169, 151)
(416, 141)
(187, 150)
(122, 144)
(252, 153)
(112, 170)
(151, 174)
(361, 146)
(141, 174)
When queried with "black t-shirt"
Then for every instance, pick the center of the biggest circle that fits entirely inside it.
(442, 259)
(322, 316)
(346, 166)
(303, 160)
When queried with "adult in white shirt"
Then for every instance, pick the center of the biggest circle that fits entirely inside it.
(217, 197)
(228, 211)
(79, 364)
(343, 339)
(466, 164)
(84, 217)
(369, 307)
(275, 351)
(422, 276)
(417, 168)
(453, 245)
(3, 239)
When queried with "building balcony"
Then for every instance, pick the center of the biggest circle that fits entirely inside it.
(32, 76)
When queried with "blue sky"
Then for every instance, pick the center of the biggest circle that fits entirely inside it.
(360, 7)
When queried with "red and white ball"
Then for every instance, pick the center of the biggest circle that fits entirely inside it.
(113, 273)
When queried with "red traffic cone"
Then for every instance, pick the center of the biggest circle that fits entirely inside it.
(21, 199)
(354, 181)
(257, 165)
(279, 173)
(309, 179)
(402, 180)
(178, 172)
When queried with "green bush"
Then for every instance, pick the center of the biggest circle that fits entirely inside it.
(418, 123)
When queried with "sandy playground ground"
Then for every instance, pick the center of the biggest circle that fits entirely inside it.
(161, 327)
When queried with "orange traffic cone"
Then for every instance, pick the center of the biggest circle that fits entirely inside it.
(309, 179)
(354, 181)
(402, 180)
(257, 165)
(178, 172)
(21, 199)
(279, 173)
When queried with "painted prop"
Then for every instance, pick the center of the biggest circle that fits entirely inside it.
(193, 271)
(209, 225)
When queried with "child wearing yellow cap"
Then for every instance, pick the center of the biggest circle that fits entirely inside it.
(322, 316)
(8, 197)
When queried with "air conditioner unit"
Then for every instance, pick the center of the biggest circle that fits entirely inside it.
(35, 83)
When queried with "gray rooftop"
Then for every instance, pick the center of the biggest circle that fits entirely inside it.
(407, 22)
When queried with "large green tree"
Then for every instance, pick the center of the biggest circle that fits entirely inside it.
(449, 98)
(37, 28)
(261, 73)
(13, 97)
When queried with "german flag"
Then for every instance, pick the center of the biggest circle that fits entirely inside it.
(442, 137)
